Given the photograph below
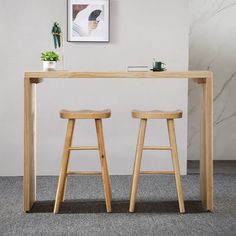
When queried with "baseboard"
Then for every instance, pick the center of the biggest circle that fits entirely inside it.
(219, 166)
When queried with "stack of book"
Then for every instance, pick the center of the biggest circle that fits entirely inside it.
(137, 68)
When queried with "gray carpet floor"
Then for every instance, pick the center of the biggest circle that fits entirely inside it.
(83, 213)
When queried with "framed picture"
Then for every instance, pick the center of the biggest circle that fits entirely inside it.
(88, 20)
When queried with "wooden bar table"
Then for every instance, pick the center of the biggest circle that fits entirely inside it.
(31, 79)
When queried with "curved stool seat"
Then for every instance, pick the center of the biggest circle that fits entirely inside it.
(85, 114)
(156, 114)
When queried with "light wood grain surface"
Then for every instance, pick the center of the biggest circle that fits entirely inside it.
(156, 114)
(76, 74)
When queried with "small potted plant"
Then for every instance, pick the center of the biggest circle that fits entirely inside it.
(49, 60)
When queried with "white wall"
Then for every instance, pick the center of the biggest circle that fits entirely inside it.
(139, 31)
(212, 47)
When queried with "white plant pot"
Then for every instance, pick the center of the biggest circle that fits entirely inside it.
(49, 65)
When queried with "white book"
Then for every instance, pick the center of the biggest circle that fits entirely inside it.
(137, 68)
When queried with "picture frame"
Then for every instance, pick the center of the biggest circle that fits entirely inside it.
(88, 20)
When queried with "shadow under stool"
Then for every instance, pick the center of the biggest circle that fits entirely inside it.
(155, 114)
(72, 116)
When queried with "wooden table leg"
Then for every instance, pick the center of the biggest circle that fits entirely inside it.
(29, 144)
(206, 161)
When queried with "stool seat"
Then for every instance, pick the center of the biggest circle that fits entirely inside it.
(85, 114)
(156, 114)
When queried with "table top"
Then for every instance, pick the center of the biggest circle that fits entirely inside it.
(118, 74)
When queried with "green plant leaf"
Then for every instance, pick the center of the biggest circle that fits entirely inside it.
(50, 56)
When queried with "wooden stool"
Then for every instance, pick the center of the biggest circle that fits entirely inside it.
(72, 116)
(169, 116)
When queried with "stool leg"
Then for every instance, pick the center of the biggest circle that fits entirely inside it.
(64, 165)
(175, 161)
(64, 190)
(137, 164)
(104, 168)
(108, 178)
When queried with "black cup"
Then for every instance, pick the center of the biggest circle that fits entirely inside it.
(158, 65)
